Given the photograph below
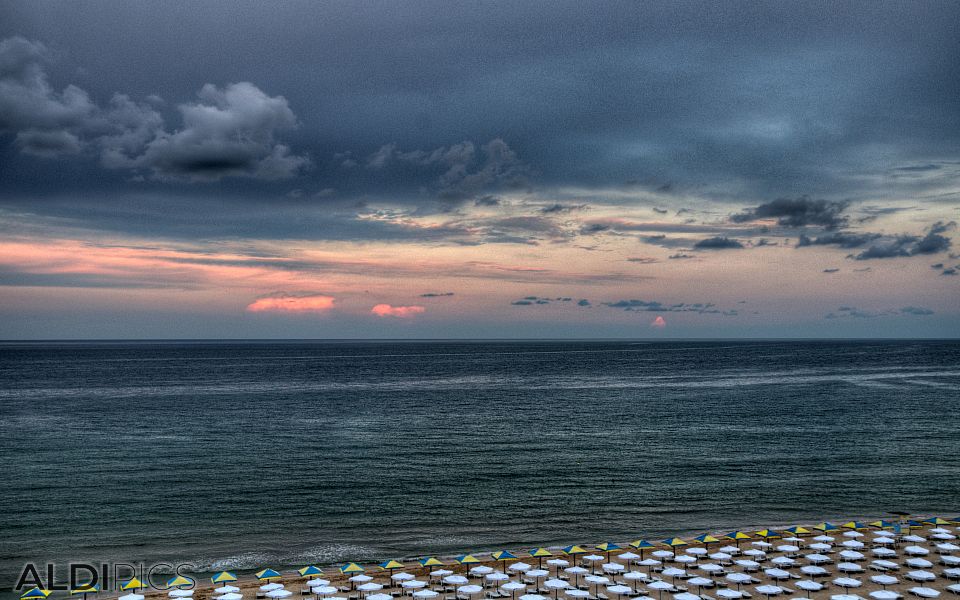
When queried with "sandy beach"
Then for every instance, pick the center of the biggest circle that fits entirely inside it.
(688, 570)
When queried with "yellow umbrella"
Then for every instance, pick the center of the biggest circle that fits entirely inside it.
(133, 584)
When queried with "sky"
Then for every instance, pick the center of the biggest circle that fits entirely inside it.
(479, 169)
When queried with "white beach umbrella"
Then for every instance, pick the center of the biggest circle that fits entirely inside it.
(913, 538)
(924, 592)
(628, 556)
(884, 595)
(729, 594)
(659, 586)
(884, 541)
(361, 578)
(226, 589)
(783, 561)
(885, 564)
(685, 559)
(813, 570)
(533, 597)
(823, 538)
(884, 552)
(710, 567)
(519, 567)
(769, 590)
(576, 593)
(721, 556)
(592, 557)
(537, 573)
(852, 544)
(496, 576)
(920, 576)
(847, 582)
(851, 555)
(700, 582)
(513, 586)
(673, 572)
(762, 544)
(131, 597)
(558, 562)
(697, 551)
(441, 573)
(751, 565)
(820, 547)
(739, 578)
(755, 553)
(613, 568)
(279, 594)
(596, 579)
(951, 573)
(849, 567)
(794, 540)
(649, 563)
(884, 580)
(620, 590)
(469, 590)
(425, 594)
(685, 596)
(919, 563)
(402, 576)
(230, 596)
(313, 582)
(455, 579)
(777, 573)
(954, 589)
(380, 596)
(369, 587)
(555, 584)
(809, 585)
(730, 550)
(481, 570)
(180, 593)
(950, 560)
(852, 534)
(413, 584)
(947, 547)
(271, 587)
(662, 554)
(324, 590)
(916, 551)
(788, 548)
(845, 597)
(817, 559)
(636, 576)
(943, 536)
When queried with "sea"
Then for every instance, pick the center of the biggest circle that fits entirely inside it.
(244, 455)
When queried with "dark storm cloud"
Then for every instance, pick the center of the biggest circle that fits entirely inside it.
(718, 243)
(841, 239)
(654, 306)
(932, 242)
(850, 312)
(382, 102)
(228, 132)
(798, 212)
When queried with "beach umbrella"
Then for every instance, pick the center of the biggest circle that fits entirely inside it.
(576, 593)
(496, 576)
(35, 593)
(768, 534)
(662, 554)
(593, 559)
(797, 530)
(323, 590)
(826, 526)
(620, 590)
(738, 536)
(132, 584)
(455, 580)
(854, 525)
(314, 582)
(269, 587)
(847, 582)
(769, 590)
(809, 586)
(279, 594)
(85, 589)
(309, 571)
(884, 595)
(777, 573)
(955, 588)
(817, 559)
(180, 581)
(659, 586)
(950, 560)
(919, 563)
(813, 570)
(881, 524)
(429, 561)
(613, 568)
(178, 593)
(425, 594)
(574, 550)
(739, 578)
(576, 571)
(884, 580)
(848, 567)
(467, 559)
(685, 596)
(920, 576)
(503, 556)
(351, 568)
(537, 573)
(845, 597)
(700, 582)
(674, 542)
(469, 589)
(820, 547)
(937, 521)
(390, 565)
(924, 592)
(369, 587)
(674, 573)
(685, 559)
(607, 547)
(539, 554)
(401, 577)
(555, 584)
(710, 567)
(413, 584)
(628, 556)
(641, 545)
(532, 597)
(481, 570)
(223, 577)
(706, 539)
(513, 587)
(230, 596)
(783, 561)
(750, 565)
(649, 563)
(884, 564)
(916, 551)
(226, 589)
(729, 594)
(131, 597)
(380, 596)
(267, 575)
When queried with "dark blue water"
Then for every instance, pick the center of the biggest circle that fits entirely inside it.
(247, 455)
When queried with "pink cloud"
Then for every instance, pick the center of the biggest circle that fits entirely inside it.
(316, 303)
(659, 323)
(403, 312)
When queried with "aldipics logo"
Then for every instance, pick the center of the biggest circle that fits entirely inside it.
(84, 578)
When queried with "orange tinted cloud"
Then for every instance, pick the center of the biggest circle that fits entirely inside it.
(292, 304)
(403, 312)
(659, 323)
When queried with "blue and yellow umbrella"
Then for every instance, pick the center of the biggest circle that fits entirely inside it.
(85, 589)
(309, 571)
(706, 539)
(223, 577)
(133, 584)
(882, 524)
(429, 561)
(642, 545)
(267, 575)
(797, 530)
(607, 547)
(539, 554)
(390, 565)
(504, 556)
(180, 581)
(855, 525)
(768, 534)
(826, 526)
(351, 568)
(675, 542)
(35, 593)
(937, 521)
(574, 550)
